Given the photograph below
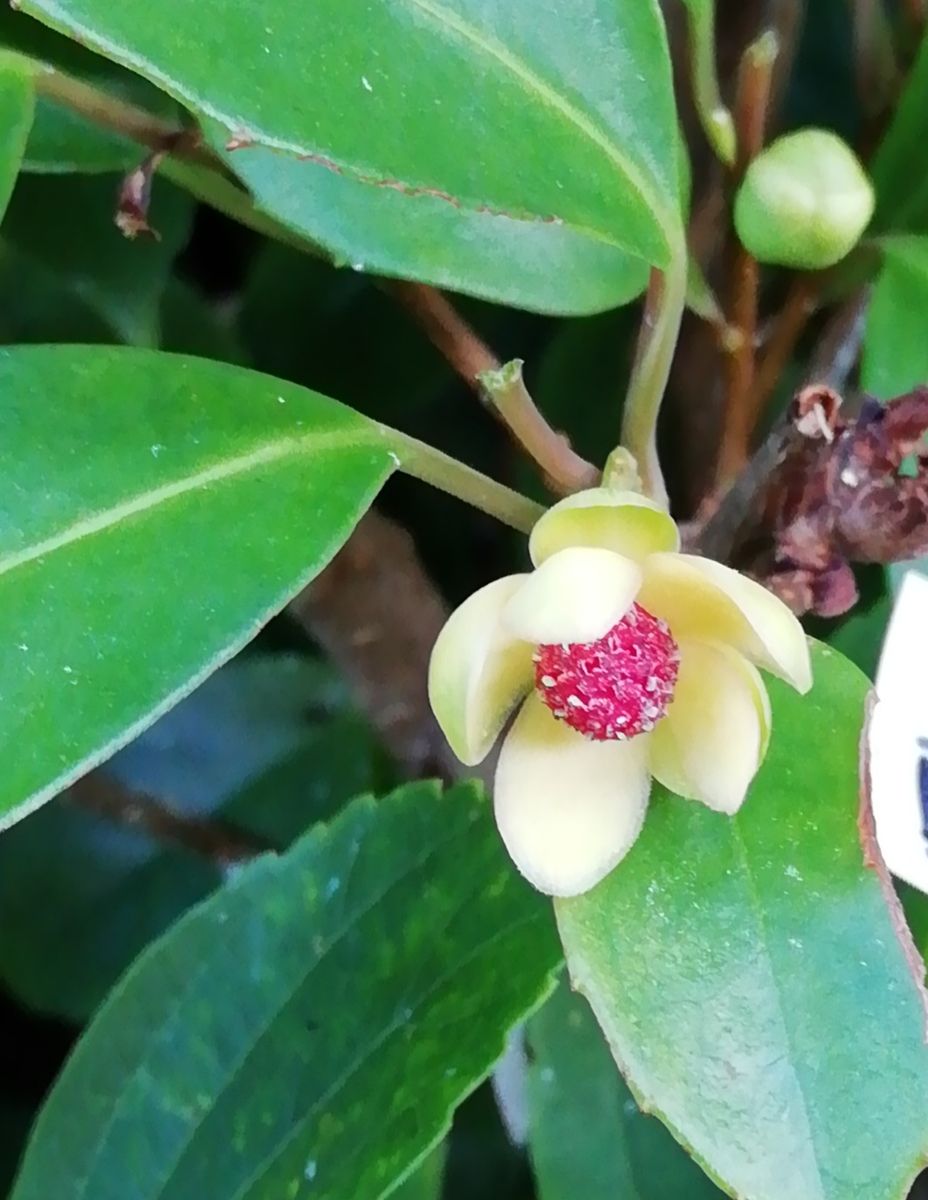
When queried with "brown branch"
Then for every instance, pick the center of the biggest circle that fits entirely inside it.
(445, 328)
(790, 323)
(503, 387)
(127, 120)
(212, 839)
(755, 80)
(830, 366)
(875, 68)
(376, 614)
(916, 12)
(811, 416)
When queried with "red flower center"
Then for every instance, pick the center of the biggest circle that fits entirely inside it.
(616, 687)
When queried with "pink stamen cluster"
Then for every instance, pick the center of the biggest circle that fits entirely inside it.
(616, 687)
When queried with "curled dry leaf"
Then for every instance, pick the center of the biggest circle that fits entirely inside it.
(845, 491)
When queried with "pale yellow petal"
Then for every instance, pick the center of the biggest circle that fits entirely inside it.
(568, 809)
(577, 595)
(478, 671)
(625, 522)
(699, 598)
(717, 728)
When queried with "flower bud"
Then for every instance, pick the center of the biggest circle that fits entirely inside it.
(804, 202)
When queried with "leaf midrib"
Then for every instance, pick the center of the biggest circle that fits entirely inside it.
(323, 839)
(143, 502)
(361, 1060)
(758, 911)
(550, 98)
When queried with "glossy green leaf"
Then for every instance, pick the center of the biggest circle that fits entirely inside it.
(17, 106)
(588, 1137)
(241, 748)
(306, 1032)
(407, 96)
(190, 501)
(60, 140)
(895, 352)
(66, 224)
(425, 1183)
(902, 190)
(749, 977)
(540, 266)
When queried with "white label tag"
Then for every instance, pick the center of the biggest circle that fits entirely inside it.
(899, 737)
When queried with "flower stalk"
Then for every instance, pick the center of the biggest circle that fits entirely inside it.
(657, 341)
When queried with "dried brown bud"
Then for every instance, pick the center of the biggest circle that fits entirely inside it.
(845, 492)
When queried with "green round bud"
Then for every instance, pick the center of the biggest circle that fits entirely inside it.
(804, 202)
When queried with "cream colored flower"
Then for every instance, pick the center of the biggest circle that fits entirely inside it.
(630, 660)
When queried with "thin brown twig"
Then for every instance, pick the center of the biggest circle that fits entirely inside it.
(376, 614)
(801, 303)
(755, 79)
(830, 364)
(211, 839)
(117, 116)
(916, 13)
(875, 67)
(509, 399)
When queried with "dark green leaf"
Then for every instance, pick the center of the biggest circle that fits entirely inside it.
(36, 308)
(895, 354)
(191, 324)
(62, 141)
(300, 319)
(915, 905)
(80, 897)
(190, 501)
(749, 977)
(307, 1031)
(66, 225)
(408, 96)
(902, 192)
(15, 1119)
(17, 105)
(823, 86)
(540, 266)
(588, 1137)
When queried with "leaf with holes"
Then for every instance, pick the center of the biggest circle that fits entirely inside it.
(750, 977)
(306, 1032)
(157, 511)
(407, 97)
